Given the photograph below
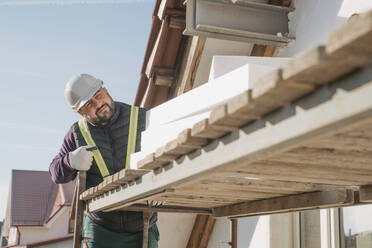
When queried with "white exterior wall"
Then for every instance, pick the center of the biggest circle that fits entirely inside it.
(312, 21)
(175, 229)
(57, 229)
(13, 236)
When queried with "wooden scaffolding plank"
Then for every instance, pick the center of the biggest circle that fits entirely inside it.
(251, 183)
(229, 194)
(149, 162)
(321, 157)
(307, 170)
(127, 175)
(144, 201)
(285, 204)
(203, 129)
(352, 41)
(161, 155)
(343, 142)
(168, 209)
(271, 92)
(291, 178)
(315, 67)
(194, 199)
(185, 143)
(111, 182)
(220, 116)
(273, 134)
(267, 94)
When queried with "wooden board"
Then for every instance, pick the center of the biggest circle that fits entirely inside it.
(352, 41)
(203, 129)
(185, 143)
(304, 201)
(221, 117)
(316, 67)
(365, 194)
(111, 182)
(201, 231)
(149, 162)
(271, 92)
(267, 94)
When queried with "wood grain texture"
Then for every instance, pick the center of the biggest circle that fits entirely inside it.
(365, 193)
(79, 210)
(304, 201)
(201, 231)
(271, 92)
(149, 162)
(352, 41)
(203, 129)
(163, 80)
(221, 117)
(316, 67)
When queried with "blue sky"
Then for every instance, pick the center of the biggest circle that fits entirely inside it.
(42, 45)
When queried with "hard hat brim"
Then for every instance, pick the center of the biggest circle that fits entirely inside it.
(87, 98)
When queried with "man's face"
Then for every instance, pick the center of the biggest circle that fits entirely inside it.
(99, 109)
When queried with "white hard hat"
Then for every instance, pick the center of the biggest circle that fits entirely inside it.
(80, 89)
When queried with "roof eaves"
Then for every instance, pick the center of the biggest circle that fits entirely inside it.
(154, 55)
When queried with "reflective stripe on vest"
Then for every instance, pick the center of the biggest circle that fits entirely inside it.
(132, 135)
(96, 153)
(131, 145)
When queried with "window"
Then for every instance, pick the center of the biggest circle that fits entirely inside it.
(356, 227)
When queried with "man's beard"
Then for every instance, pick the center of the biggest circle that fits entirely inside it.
(102, 120)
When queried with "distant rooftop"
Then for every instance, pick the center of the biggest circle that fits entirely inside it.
(35, 198)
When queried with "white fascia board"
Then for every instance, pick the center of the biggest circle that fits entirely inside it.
(167, 120)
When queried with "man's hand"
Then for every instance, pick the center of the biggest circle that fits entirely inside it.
(81, 159)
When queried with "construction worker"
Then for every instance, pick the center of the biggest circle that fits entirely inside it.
(114, 128)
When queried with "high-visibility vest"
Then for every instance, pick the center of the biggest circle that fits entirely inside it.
(131, 145)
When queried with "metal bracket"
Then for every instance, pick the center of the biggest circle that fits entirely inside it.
(238, 20)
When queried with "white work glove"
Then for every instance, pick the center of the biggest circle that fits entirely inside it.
(81, 159)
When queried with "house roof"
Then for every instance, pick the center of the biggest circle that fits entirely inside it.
(35, 198)
(161, 53)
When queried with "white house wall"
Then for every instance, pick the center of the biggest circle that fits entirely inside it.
(222, 65)
(214, 47)
(57, 229)
(175, 229)
(13, 236)
(312, 21)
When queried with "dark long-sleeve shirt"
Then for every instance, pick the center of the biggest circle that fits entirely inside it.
(60, 169)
